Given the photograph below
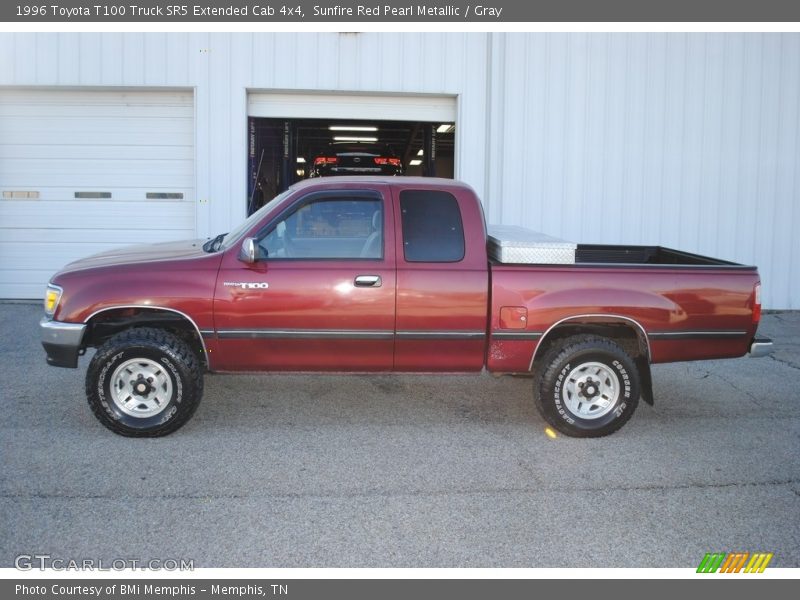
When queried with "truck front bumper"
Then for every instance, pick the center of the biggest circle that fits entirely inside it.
(62, 342)
(760, 347)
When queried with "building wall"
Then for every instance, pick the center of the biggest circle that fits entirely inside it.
(223, 67)
(685, 140)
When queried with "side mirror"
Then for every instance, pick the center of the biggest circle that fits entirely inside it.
(249, 252)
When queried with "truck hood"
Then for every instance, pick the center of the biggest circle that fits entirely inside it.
(139, 254)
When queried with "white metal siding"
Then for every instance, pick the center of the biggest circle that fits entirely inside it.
(683, 140)
(689, 140)
(55, 143)
(222, 67)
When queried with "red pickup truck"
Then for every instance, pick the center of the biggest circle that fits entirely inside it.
(389, 274)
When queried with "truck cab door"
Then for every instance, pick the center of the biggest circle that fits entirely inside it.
(320, 295)
(442, 280)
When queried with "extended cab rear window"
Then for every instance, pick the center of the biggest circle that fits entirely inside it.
(432, 227)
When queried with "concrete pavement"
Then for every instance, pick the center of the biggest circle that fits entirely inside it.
(406, 471)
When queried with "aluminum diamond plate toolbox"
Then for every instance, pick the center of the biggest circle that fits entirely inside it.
(513, 244)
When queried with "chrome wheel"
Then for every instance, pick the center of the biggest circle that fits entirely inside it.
(591, 390)
(141, 387)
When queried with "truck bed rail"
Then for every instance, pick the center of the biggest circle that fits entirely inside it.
(643, 255)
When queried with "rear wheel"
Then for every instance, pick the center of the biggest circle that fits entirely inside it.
(144, 383)
(587, 386)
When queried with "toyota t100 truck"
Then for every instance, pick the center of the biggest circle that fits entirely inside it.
(390, 274)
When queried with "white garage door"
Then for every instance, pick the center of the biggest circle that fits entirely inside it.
(87, 171)
(386, 107)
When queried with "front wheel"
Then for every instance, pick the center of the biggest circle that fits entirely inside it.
(144, 383)
(588, 386)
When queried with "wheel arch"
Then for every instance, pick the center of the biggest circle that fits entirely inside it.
(627, 332)
(108, 321)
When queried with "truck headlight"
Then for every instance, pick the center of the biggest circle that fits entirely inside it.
(51, 298)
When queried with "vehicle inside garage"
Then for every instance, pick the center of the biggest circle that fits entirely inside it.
(284, 151)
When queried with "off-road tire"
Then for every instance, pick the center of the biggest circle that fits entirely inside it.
(145, 348)
(581, 364)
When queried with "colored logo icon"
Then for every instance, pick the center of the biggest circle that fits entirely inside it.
(735, 562)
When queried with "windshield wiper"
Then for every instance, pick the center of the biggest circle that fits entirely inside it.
(214, 244)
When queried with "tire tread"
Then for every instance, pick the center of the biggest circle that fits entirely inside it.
(156, 338)
(549, 366)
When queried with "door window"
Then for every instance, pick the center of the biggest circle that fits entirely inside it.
(328, 228)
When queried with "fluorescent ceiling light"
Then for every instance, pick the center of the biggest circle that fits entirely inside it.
(346, 138)
(300, 159)
(445, 128)
(415, 162)
(351, 128)
(420, 153)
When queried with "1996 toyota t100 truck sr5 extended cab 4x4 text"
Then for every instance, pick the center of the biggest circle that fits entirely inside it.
(391, 274)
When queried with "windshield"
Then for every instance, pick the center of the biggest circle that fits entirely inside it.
(234, 235)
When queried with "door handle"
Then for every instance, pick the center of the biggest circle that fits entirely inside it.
(368, 281)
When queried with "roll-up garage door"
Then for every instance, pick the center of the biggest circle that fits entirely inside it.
(386, 107)
(83, 171)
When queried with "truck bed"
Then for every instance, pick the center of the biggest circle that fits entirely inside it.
(689, 307)
(590, 255)
(515, 245)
